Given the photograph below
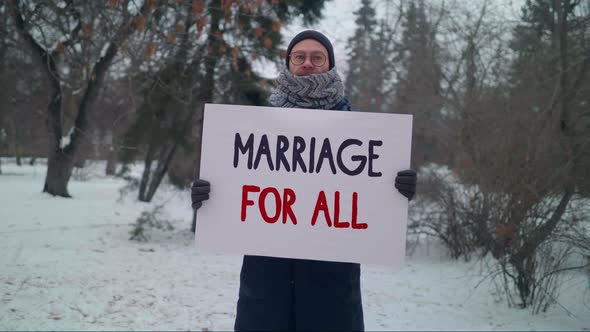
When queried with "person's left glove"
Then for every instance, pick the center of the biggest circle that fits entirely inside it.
(405, 182)
(200, 192)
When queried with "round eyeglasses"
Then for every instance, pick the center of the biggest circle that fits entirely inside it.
(318, 59)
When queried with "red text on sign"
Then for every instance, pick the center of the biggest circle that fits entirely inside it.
(321, 205)
(283, 204)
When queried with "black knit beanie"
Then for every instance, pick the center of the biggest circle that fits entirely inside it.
(315, 35)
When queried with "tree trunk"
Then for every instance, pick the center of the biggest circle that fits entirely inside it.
(194, 224)
(111, 161)
(59, 163)
(59, 170)
(198, 170)
(164, 163)
(15, 140)
(207, 93)
(32, 161)
(145, 176)
(525, 280)
(158, 175)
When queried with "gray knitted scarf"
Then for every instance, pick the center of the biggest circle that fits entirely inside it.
(319, 91)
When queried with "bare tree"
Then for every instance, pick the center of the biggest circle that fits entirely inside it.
(58, 36)
(519, 145)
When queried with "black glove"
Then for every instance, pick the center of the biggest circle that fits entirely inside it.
(405, 182)
(200, 192)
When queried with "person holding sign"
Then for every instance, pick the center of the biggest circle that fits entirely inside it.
(298, 294)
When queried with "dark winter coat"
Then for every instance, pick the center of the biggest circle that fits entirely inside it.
(295, 294)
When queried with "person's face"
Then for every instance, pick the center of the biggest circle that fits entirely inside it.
(309, 53)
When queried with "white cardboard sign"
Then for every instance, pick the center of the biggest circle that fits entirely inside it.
(300, 183)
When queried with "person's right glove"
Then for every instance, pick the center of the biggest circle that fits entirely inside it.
(200, 192)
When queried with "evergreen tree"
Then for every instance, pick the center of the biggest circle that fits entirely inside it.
(358, 80)
(418, 90)
(551, 47)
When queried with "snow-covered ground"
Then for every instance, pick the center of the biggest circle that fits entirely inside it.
(68, 264)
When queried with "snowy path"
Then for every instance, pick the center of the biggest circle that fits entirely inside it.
(68, 264)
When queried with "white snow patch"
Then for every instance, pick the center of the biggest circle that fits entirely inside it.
(134, 6)
(65, 140)
(65, 70)
(77, 91)
(104, 50)
(68, 264)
